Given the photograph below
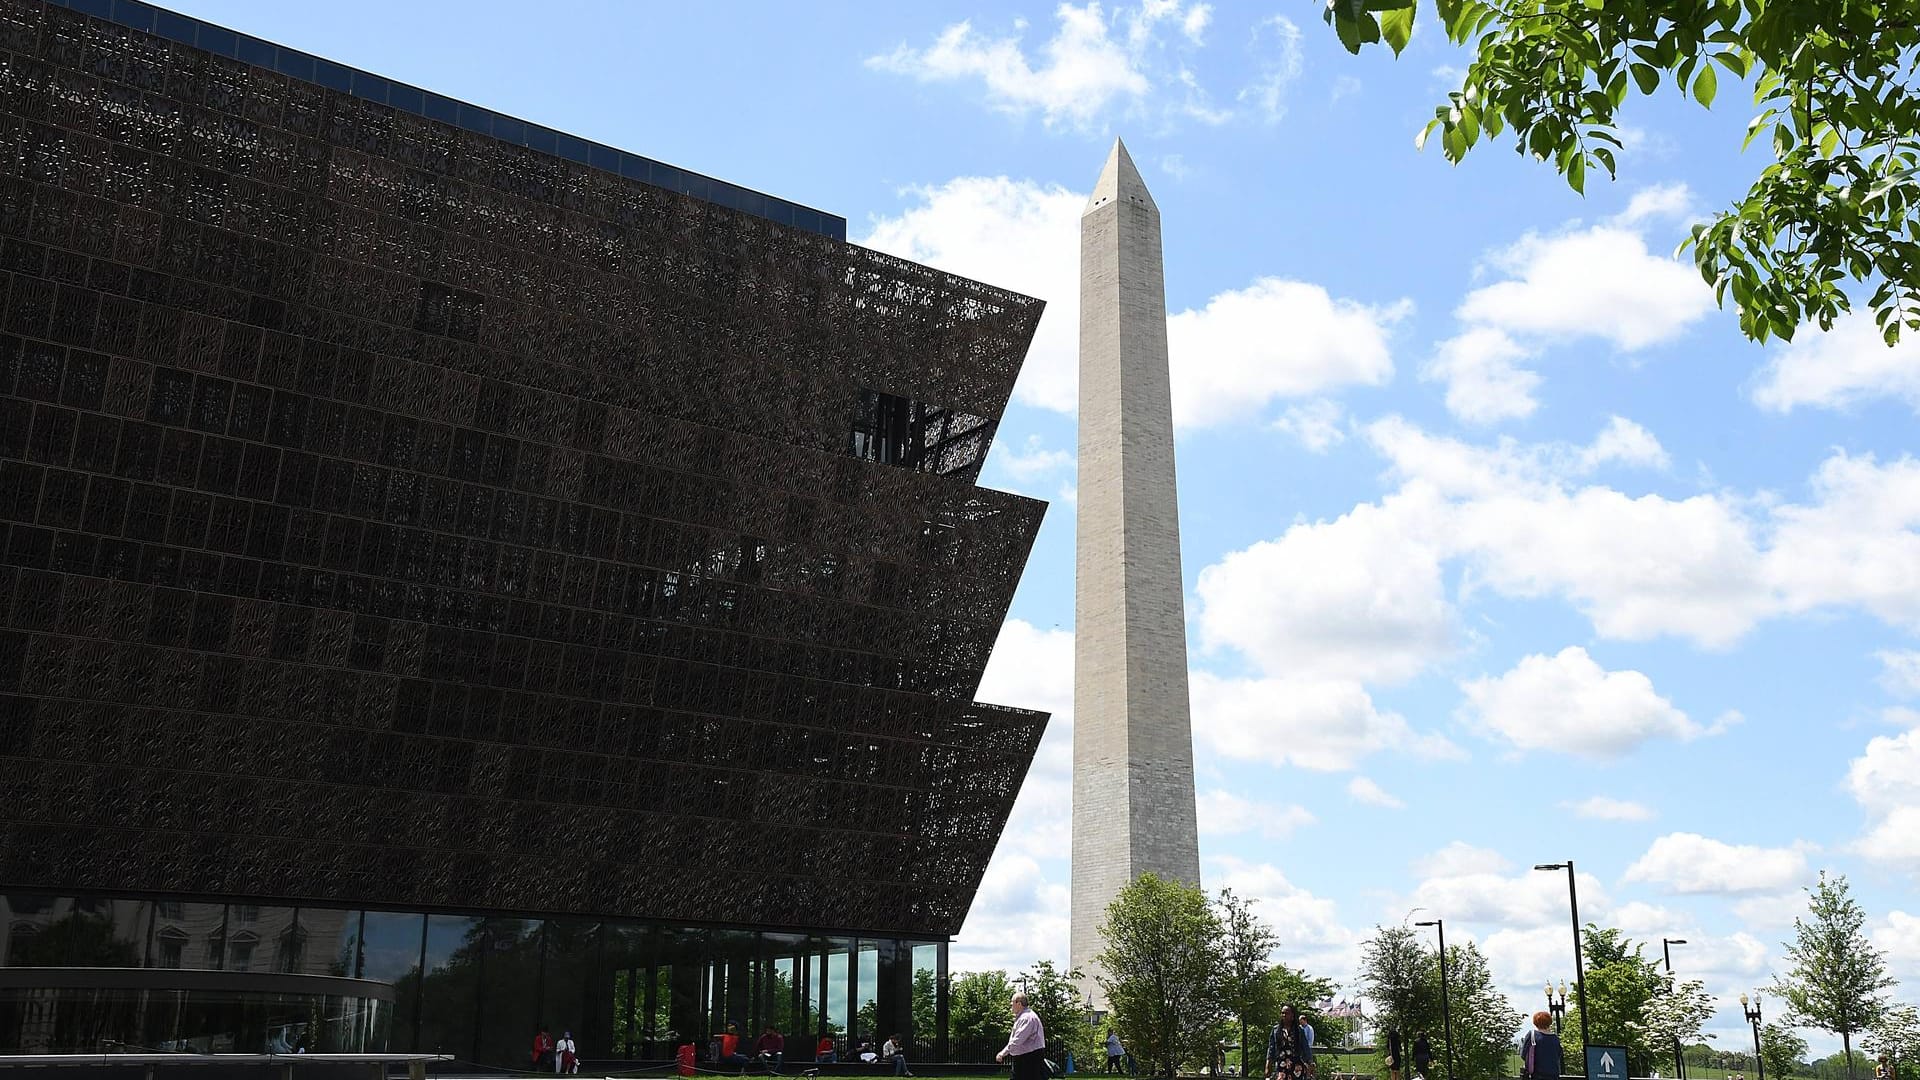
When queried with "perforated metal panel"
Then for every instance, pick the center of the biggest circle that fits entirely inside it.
(396, 516)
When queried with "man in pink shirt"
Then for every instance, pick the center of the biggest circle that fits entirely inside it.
(1028, 1044)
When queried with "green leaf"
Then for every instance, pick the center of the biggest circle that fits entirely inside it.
(1355, 30)
(1577, 173)
(1733, 62)
(1420, 140)
(1705, 86)
(1646, 77)
(1396, 26)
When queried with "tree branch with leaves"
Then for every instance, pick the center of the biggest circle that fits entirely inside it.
(1836, 104)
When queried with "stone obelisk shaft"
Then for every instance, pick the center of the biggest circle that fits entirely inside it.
(1133, 803)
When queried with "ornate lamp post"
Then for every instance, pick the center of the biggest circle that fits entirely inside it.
(1666, 952)
(1446, 1003)
(1557, 1006)
(1579, 968)
(1753, 1017)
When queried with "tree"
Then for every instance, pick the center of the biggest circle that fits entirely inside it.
(1896, 1036)
(977, 1017)
(1246, 943)
(1162, 962)
(1484, 1021)
(1782, 1050)
(1054, 993)
(1837, 979)
(1836, 103)
(1619, 983)
(1674, 1014)
(1400, 977)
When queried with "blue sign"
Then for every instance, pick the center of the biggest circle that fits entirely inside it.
(1606, 1063)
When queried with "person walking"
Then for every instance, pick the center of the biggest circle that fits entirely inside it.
(1422, 1055)
(1289, 1054)
(1026, 1044)
(1394, 1061)
(1116, 1054)
(1540, 1054)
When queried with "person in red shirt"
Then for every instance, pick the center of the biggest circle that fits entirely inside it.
(542, 1046)
(771, 1048)
(730, 1047)
(825, 1053)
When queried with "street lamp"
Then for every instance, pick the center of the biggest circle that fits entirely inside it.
(1753, 1017)
(1666, 952)
(1446, 1004)
(1579, 968)
(1557, 1006)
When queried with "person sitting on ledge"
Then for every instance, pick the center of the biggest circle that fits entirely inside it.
(771, 1047)
(826, 1053)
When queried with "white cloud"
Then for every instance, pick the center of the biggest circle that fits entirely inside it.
(1222, 813)
(1595, 282)
(1357, 598)
(1840, 368)
(1276, 44)
(1599, 282)
(1775, 912)
(1227, 361)
(1194, 22)
(1309, 926)
(1894, 839)
(1899, 937)
(1031, 461)
(1569, 703)
(1315, 423)
(1472, 885)
(1886, 775)
(1900, 671)
(1019, 915)
(1661, 201)
(1460, 859)
(1623, 442)
(1362, 790)
(1695, 864)
(1018, 235)
(1083, 68)
(1324, 726)
(1485, 382)
(1606, 808)
(1365, 597)
(1032, 668)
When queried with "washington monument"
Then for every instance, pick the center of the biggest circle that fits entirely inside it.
(1133, 809)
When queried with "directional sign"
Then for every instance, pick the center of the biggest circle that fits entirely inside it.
(1606, 1063)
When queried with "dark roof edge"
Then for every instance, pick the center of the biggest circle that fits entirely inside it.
(306, 67)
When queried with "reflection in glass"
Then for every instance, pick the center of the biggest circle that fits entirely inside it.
(450, 989)
(867, 1019)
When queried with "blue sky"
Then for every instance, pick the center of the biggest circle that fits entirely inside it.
(1502, 546)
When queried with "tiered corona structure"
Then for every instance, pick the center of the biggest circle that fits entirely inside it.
(487, 543)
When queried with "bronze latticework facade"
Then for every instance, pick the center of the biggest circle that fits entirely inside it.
(397, 516)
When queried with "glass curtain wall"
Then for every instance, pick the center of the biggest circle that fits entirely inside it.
(478, 988)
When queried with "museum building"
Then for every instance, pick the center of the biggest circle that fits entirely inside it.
(458, 578)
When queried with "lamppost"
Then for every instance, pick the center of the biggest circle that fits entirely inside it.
(1666, 952)
(1753, 1017)
(1579, 968)
(1557, 1006)
(1446, 1003)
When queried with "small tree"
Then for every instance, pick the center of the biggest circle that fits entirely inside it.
(977, 1013)
(1054, 993)
(1837, 980)
(1896, 1035)
(1163, 964)
(1484, 1021)
(1782, 1050)
(1246, 944)
(1401, 978)
(1675, 1014)
(1620, 981)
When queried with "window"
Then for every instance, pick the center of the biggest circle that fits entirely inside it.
(240, 951)
(246, 913)
(168, 947)
(169, 909)
(915, 435)
(20, 944)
